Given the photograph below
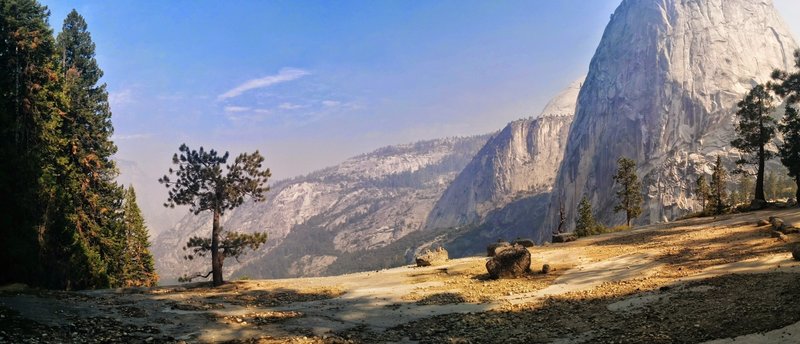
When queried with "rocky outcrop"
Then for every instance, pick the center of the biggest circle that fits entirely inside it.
(516, 163)
(433, 257)
(662, 89)
(365, 203)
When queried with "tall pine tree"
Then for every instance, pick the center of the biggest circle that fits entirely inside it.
(92, 200)
(630, 190)
(702, 191)
(30, 114)
(754, 131)
(788, 85)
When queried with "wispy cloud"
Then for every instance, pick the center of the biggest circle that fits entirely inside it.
(131, 137)
(291, 106)
(284, 75)
(236, 108)
(120, 97)
(331, 103)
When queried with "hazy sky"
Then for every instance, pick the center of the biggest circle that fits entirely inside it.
(312, 83)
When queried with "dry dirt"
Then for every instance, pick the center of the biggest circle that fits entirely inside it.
(722, 280)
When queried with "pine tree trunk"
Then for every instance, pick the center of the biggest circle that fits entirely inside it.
(216, 256)
(760, 176)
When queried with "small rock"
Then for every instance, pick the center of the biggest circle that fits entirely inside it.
(525, 242)
(782, 237)
(775, 234)
(546, 269)
(777, 223)
(564, 237)
(149, 339)
(796, 251)
(762, 222)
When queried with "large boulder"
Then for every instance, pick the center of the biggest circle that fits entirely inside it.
(432, 257)
(512, 262)
(494, 248)
(564, 237)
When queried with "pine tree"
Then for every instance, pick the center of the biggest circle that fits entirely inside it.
(30, 113)
(585, 223)
(202, 184)
(630, 189)
(754, 131)
(719, 192)
(788, 85)
(702, 191)
(138, 267)
(92, 199)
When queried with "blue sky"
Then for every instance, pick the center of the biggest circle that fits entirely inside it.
(312, 83)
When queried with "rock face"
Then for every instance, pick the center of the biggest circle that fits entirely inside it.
(517, 163)
(512, 262)
(662, 89)
(365, 203)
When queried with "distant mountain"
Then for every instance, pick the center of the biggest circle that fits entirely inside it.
(518, 163)
(360, 206)
(662, 89)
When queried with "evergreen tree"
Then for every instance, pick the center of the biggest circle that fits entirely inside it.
(630, 189)
(202, 184)
(754, 131)
(138, 267)
(788, 85)
(719, 193)
(702, 191)
(585, 223)
(92, 200)
(30, 103)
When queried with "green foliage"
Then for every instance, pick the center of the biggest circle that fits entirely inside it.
(585, 223)
(788, 85)
(630, 189)
(138, 268)
(202, 184)
(718, 200)
(754, 131)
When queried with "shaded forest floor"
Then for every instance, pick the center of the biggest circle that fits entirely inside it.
(703, 279)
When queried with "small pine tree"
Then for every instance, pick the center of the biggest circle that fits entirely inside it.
(702, 191)
(138, 269)
(719, 193)
(630, 192)
(585, 223)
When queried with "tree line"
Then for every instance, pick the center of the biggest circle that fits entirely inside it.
(755, 129)
(65, 222)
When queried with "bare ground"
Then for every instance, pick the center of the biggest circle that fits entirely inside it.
(703, 279)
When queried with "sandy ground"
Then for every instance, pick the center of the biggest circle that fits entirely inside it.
(719, 280)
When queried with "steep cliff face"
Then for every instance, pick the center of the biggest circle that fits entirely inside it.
(365, 203)
(520, 161)
(662, 89)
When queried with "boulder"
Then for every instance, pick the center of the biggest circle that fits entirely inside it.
(432, 257)
(777, 223)
(796, 251)
(758, 204)
(564, 237)
(762, 222)
(791, 202)
(524, 242)
(512, 262)
(495, 248)
(546, 269)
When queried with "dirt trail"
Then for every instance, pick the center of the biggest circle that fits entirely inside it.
(653, 279)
